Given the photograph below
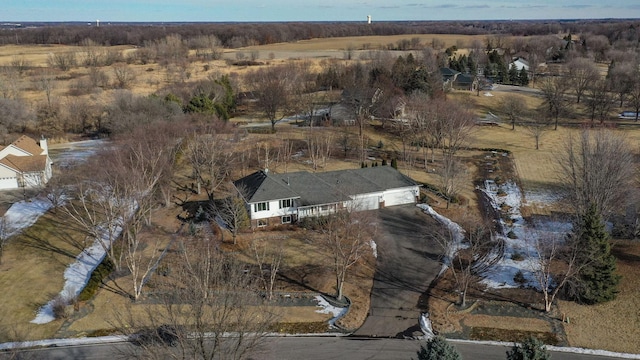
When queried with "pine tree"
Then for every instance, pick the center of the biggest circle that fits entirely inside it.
(394, 163)
(523, 77)
(513, 74)
(530, 349)
(438, 348)
(597, 280)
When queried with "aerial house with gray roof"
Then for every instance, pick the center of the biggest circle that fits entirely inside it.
(274, 199)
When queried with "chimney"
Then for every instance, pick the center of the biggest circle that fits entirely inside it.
(44, 146)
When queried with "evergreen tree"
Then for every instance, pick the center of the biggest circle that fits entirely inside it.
(394, 163)
(513, 74)
(523, 77)
(597, 280)
(530, 349)
(384, 162)
(438, 348)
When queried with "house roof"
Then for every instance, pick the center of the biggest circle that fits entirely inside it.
(321, 188)
(25, 163)
(464, 79)
(28, 144)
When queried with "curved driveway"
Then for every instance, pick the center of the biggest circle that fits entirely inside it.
(407, 263)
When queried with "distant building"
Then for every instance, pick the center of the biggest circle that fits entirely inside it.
(24, 164)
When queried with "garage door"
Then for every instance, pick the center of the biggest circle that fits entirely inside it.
(8, 183)
(399, 197)
(367, 202)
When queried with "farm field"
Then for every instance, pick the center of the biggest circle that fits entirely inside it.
(26, 271)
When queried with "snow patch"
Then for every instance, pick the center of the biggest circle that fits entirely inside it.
(374, 248)
(326, 308)
(455, 231)
(23, 214)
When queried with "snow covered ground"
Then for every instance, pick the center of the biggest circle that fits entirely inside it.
(326, 308)
(22, 215)
(519, 237)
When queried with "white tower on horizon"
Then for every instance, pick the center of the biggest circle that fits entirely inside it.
(97, 23)
(368, 19)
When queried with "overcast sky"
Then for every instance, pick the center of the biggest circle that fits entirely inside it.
(312, 10)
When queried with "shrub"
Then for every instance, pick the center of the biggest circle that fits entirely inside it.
(530, 349)
(59, 307)
(438, 348)
(517, 256)
(519, 278)
(97, 276)
(512, 235)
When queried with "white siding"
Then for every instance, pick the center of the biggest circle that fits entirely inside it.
(369, 201)
(8, 183)
(274, 210)
(400, 196)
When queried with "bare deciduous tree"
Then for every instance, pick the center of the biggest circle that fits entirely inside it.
(513, 107)
(209, 308)
(599, 100)
(346, 237)
(536, 127)
(268, 254)
(319, 148)
(472, 250)
(62, 61)
(273, 88)
(123, 76)
(596, 167)
(452, 177)
(554, 264)
(554, 90)
(582, 72)
(210, 160)
(233, 212)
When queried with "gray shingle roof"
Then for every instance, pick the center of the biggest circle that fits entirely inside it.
(321, 188)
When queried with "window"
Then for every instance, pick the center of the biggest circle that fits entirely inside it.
(262, 223)
(286, 219)
(285, 203)
(263, 206)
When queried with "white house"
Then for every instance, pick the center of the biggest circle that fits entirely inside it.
(274, 199)
(519, 64)
(24, 164)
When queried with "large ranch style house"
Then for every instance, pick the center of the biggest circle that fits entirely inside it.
(274, 199)
(24, 164)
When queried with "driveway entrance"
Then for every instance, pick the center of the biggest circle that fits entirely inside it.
(407, 263)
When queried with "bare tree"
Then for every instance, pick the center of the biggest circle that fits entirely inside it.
(554, 90)
(346, 237)
(472, 251)
(582, 72)
(599, 100)
(634, 94)
(273, 88)
(210, 160)
(20, 64)
(62, 61)
(596, 167)
(233, 212)
(268, 254)
(536, 127)
(124, 76)
(209, 308)
(452, 177)
(620, 78)
(555, 264)
(513, 107)
(319, 148)
(4, 236)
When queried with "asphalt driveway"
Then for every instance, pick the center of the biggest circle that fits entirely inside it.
(407, 263)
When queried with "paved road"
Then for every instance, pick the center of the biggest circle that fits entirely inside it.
(308, 348)
(406, 265)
